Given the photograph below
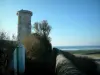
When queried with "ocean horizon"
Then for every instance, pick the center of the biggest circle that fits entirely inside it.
(78, 47)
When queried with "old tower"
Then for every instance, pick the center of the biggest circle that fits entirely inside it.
(24, 24)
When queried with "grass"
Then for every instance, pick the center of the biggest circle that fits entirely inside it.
(97, 55)
(90, 53)
(85, 51)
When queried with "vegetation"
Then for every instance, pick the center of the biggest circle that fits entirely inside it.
(85, 51)
(38, 44)
(6, 51)
(42, 28)
(4, 36)
(38, 48)
(96, 55)
(34, 46)
(85, 65)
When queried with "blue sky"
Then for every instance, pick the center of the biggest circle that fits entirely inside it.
(74, 22)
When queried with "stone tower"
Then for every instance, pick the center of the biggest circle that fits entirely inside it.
(24, 24)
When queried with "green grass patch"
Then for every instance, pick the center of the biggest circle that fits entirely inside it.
(84, 51)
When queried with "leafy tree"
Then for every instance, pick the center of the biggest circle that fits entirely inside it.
(4, 36)
(43, 29)
(38, 44)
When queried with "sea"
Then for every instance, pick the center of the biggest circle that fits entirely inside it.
(78, 47)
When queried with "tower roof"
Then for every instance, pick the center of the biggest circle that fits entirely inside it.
(24, 11)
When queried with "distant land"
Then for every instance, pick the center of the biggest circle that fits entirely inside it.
(78, 47)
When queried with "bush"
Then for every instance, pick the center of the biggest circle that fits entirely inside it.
(6, 50)
(34, 46)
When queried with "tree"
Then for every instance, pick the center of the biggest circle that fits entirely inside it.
(4, 36)
(38, 44)
(14, 38)
(43, 29)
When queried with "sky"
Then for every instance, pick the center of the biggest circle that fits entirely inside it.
(73, 22)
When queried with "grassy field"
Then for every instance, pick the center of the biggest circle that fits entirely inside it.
(97, 55)
(94, 56)
(90, 53)
(85, 51)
